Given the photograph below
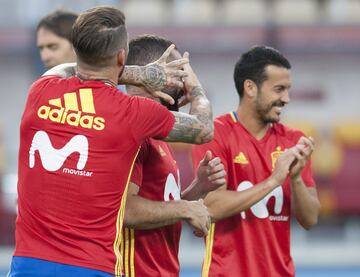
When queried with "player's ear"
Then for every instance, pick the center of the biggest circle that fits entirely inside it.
(121, 57)
(250, 88)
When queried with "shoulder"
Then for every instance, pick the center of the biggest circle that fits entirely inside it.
(224, 125)
(288, 132)
(144, 102)
(148, 108)
(44, 80)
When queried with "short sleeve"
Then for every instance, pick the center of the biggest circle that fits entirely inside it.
(42, 82)
(217, 147)
(149, 119)
(137, 174)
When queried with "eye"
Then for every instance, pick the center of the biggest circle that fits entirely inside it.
(53, 47)
(279, 89)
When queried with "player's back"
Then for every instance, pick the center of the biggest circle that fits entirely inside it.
(78, 143)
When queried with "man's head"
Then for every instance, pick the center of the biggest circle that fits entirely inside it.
(262, 80)
(147, 49)
(99, 37)
(53, 38)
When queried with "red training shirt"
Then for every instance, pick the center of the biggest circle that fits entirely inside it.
(154, 252)
(78, 143)
(254, 243)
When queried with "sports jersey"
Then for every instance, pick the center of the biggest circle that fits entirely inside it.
(78, 142)
(154, 252)
(256, 242)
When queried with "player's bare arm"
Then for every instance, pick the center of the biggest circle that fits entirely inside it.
(157, 75)
(197, 127)
(142, 213)
(64, 70)
(224, 203)
(306, 204)
(210, 175)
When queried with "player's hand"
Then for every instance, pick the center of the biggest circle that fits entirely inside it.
(198, 216)
(303, 150)
(210, 173)
(191, 82)
(160, 74)
(283, 165)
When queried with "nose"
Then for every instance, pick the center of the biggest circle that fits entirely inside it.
(285, 98)
(45, 55)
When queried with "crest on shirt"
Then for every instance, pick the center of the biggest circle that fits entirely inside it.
(275, 155)
(241, 159)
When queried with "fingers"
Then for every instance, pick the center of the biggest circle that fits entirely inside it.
(166, 97)
(184, 102)
(297, 150)
(207, 158)
(308, 141)
(167, 52)
(218, 176)
(178, 74)
(186, 56)
(215, 165)
(180, 63)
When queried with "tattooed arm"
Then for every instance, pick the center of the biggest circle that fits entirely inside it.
(196, 127)
(157, 75)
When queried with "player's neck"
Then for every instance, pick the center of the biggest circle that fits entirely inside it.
(106, 75)
(252, 123)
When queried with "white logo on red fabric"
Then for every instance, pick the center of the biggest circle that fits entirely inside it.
(53, 159)
(260, 209)
(172, 189)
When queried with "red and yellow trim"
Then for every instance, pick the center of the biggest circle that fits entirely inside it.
(208, 251)
(129, 252)
(119, 224)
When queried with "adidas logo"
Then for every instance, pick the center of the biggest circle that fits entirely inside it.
(162, 152)
(70, 112)
(241, 159)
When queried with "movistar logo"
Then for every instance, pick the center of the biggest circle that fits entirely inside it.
(260, 209)
(70, 113)
(53, 159)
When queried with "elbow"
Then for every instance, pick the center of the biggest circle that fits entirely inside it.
(207, 136)
(309, 224)
(210, 136)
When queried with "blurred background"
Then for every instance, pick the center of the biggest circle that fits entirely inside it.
(321, 38)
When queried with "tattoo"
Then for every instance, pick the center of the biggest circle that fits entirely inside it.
(184, 129)
(131, 75)
(197, 91)
(196, 127)
(152, 77)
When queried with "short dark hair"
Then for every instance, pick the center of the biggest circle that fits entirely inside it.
(98, 34)
(58, 22)
(146, 49)
(253, 63)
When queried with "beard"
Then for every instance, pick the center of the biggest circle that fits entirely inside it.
(264, 111)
